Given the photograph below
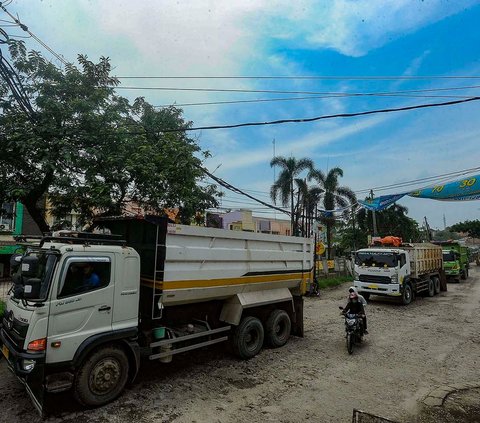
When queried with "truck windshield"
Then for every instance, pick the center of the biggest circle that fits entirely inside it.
(46, 266)
(377, 259)
(449, 256)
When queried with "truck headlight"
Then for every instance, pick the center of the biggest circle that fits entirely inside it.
(394, 278)
(28, 365)
(356, 275)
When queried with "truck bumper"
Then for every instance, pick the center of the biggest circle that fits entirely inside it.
(390, 289)
(27, 367)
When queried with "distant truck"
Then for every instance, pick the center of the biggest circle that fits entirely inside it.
(456, 260)
(402, 271)
(86, 308)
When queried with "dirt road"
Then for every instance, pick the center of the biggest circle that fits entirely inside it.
(410, 351)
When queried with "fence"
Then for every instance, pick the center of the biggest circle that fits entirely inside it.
(339, 266)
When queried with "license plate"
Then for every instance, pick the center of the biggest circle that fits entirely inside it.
(5, 351)
(372, 286)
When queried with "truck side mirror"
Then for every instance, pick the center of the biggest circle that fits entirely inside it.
(29, 266)
(31, 289)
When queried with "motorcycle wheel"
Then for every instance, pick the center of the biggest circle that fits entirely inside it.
(350, 342)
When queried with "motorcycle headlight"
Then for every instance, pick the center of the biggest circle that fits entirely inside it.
(350, 322)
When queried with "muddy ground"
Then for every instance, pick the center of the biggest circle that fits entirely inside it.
(409, 352)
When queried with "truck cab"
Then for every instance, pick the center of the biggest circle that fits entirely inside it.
(62, 307)
(381, 271)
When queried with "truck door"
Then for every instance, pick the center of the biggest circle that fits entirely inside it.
(81, 305)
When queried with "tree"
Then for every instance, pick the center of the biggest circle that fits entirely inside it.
(334, 196)
(391, 221)
(91, 150)
(471, 227)
(283, 187)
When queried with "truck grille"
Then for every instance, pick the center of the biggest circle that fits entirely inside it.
(17, 333)
(375, 279)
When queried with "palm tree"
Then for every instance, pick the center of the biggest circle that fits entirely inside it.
(283, 187)
(307, 199)
(334, 196)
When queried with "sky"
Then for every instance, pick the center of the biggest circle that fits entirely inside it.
(335, 38)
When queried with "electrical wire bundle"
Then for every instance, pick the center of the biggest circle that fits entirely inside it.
(8, 74)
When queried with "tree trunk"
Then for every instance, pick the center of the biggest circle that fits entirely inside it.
(37, 215)
(329, 239)
(292, 217)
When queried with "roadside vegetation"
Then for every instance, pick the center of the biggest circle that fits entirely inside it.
(333, 281)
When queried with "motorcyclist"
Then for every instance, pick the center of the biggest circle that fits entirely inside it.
(356, 307)
(360, 297)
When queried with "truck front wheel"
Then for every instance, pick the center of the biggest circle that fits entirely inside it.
(248, 337)
(463, 275)
(431, 288)
(436, 284)
(278, 328)
(366, 295)
(102, 377)
(407, 294)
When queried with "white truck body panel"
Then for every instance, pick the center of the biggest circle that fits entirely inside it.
(202, 264)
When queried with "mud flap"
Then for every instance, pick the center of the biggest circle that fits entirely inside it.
(297, 324)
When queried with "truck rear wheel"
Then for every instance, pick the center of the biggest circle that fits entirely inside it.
(431, 288)
(102, 377)
(436, 284)
(407, 294)
(278, 328)
(248, 337)
(463, 274)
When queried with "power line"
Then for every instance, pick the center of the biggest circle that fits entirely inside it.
(268, 100)
(312, 77)
(25, 28)
(332, 93)
(415, 181)
(317, 118)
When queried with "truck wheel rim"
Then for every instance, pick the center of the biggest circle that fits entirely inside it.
(251, 339)
(105, 376)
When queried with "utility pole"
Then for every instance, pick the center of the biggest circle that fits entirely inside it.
(444, 222)
(374, 216)
(427, 227)
(353, 227)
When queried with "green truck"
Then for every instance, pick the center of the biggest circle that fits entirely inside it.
(456, 260)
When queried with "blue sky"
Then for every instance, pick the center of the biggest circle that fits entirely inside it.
(302, 38)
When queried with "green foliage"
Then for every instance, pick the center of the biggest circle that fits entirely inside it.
(89, 149)
(471, 227)
(2, 307)
(445, 235)
(334, 281)
(391, 221)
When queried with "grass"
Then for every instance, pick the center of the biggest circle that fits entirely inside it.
(333, 281)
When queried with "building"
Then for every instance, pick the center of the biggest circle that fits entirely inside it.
(243, 220)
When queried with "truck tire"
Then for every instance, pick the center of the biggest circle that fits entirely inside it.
(248, 338)
(407, 294)
(102, 377)
(466, 273)
(278, 328)
(366, 295)
(436, 284)
(431, 288)
(463, 275)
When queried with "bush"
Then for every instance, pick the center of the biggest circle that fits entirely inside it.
(334, 281)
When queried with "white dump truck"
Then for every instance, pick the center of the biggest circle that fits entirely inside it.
(85, 308)
(403, 271)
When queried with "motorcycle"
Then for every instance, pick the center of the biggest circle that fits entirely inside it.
(353, 330)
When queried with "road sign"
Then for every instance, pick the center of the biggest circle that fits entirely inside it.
(320, 249)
